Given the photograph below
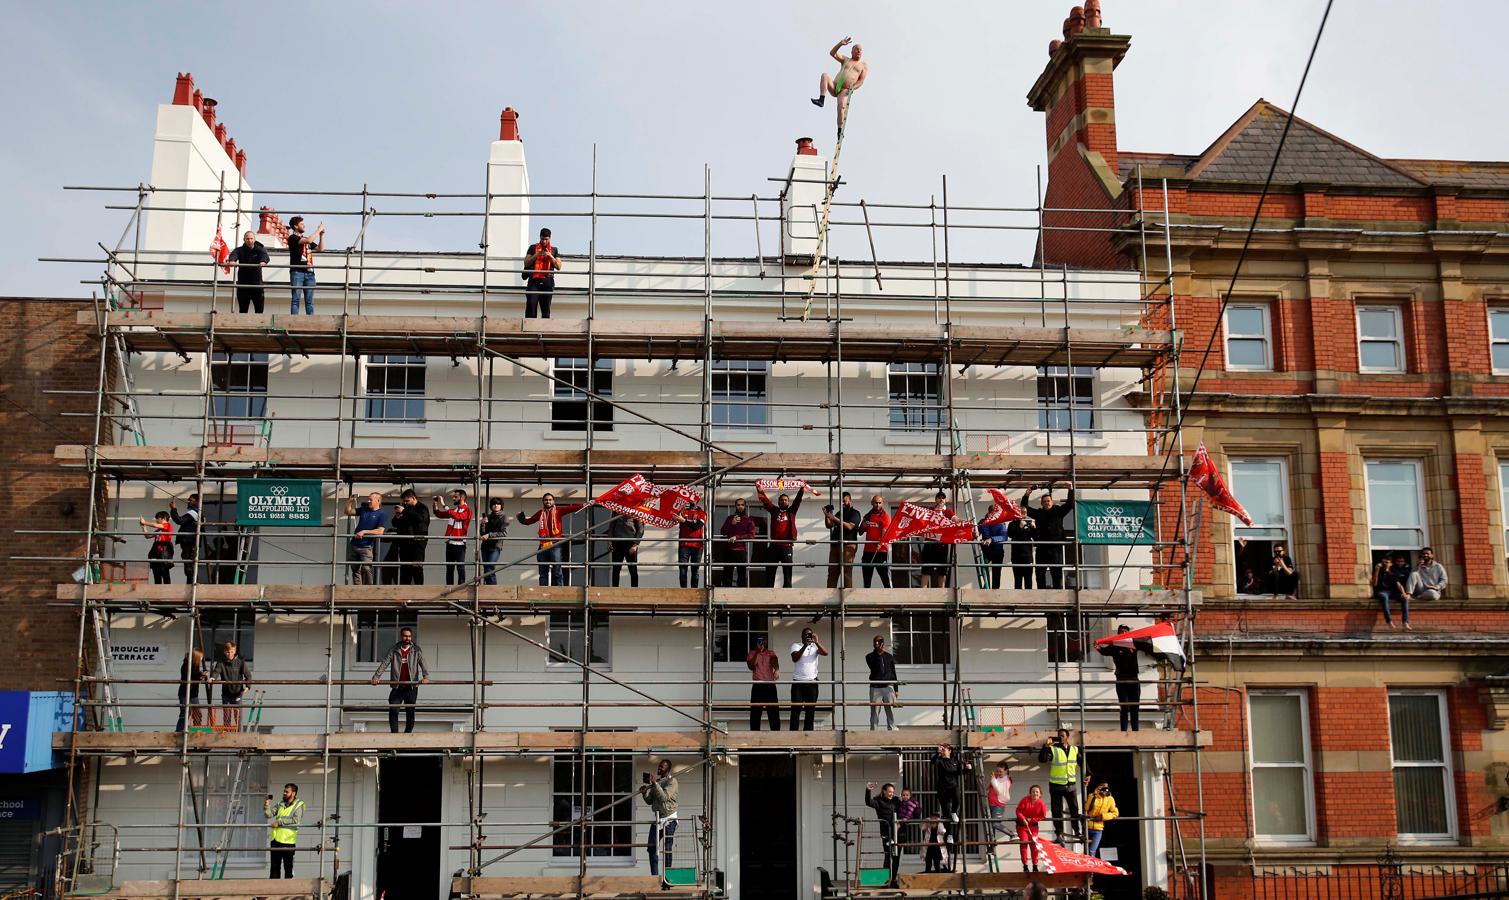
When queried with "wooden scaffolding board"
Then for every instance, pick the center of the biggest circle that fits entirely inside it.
(675, 339)
(603, 887)
(213, 888)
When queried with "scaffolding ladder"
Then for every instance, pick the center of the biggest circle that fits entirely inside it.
(110, 710)
(127, 398)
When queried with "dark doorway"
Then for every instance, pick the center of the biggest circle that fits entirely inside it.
(767, 827)
(1125, 836)
(408, 856)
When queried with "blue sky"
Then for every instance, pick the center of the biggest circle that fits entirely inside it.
(405, 96)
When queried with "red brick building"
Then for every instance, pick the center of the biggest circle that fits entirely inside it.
(1353, 396)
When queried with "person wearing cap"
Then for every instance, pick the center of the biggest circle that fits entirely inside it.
(541, 262)
(883, 684)
(764, 667)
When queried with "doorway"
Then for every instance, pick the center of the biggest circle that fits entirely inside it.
(767, 827)
(1123, 841)
(408, 855)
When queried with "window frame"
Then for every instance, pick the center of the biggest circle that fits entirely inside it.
(241, 399)
(1053, 406)
(1307, 766)
(602, 649)
(1062, 647)
(388, 363)
(906, 415)
(1367, 485)
(216, 626)
(1265, 309)
(1497, 310)
(619, 816)
(1397, 312)
(247, 847)
(748, 629)
(1503, 467)
(598, 378)
(750, 401)
(1237, 528)
(905, 624)
(379, 624)
(1448, 774)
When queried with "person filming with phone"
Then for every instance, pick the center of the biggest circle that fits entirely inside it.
(662, 794)
(541, 262)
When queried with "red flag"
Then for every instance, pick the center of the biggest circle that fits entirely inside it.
(1056, 860)
(651, 504)
(220, 251)
(784, 485)
(1204, 475)
(1003, 509)
(1159, 641)
(913, 519)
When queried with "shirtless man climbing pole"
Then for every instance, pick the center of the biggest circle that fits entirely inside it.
(851, 76)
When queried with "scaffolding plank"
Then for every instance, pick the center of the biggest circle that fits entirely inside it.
(386, 465)
(679, 339)
(666, 742)
(523, 598)
(924, 883)
(601, 886)
(209, 888)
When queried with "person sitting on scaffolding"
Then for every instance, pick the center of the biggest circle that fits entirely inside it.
(851, 76)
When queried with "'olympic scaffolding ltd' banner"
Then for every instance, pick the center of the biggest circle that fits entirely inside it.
(1113, 522)
(283, 502)
(653, 504)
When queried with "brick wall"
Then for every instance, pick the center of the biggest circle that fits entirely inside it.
(46, 351)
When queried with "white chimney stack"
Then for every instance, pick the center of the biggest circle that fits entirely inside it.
(802, 204)
(508, 181)
(193, 156)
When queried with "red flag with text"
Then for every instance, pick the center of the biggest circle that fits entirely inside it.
(1056, 860)
(784, 485)
(220, 251)
(913, 519)
(1204, 475)
(653, 504)
(1003, 508)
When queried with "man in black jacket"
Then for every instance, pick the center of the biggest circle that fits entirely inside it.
(1051, 536)
(234, 674)
(886, 805)
(494, 530)
(1020, 535)
(411, 521)
(188, 535)
(1128, 684)
(249, 259)
(883, 684)
(946, 771)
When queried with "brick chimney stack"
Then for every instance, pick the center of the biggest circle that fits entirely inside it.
(1076, 92)
(508, 231)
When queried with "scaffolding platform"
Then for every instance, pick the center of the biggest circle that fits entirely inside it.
(213, 888)
(670, 339)
(504, 743)
(320, 598)
(542, 887)
(554, 467)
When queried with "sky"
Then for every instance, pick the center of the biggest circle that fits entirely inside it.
(406, 97)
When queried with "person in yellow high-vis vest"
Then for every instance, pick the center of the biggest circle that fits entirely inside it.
(1065, 762)
(284, 819)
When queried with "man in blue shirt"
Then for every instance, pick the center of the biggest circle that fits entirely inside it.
(371, 521)
(993, 547)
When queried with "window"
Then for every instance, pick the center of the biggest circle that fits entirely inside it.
(568, 412)
(916, 391)
(1423, 800)
(1278, 722)
(734, 634)
(1262, 486)
(1504, 499)
(377, 632)
(239, 385)
(1395, 506)
(1498, 339)
(1062, 394)
(607, 779)
(1380, 341)
(225, 803)
(740, 394)
(395, 389)
(921, 639)
(218, 626)
(568, 636)
(1249, 346)
(1065, 645)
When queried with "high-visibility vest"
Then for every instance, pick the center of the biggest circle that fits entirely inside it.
(1064, 768)
(283, 834)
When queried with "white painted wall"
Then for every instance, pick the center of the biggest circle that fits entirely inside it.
(189, 168)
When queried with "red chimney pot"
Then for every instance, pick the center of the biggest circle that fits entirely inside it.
(220, 133)
(230, 148)
(1076, 19)
(241, 161)
(804, 147)
(197, 100)
(1092, 13)
(1053, 47)
(1067, 32)
(183, 90)
(207, 110)
(508, 125)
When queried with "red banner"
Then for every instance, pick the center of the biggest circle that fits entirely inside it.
(1056, 860)
(1204, 475)
(220, 251)
(912, 519)
(1003, 508)
(785, 486)
(652, 504)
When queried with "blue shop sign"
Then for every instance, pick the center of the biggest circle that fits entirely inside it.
(28, 720)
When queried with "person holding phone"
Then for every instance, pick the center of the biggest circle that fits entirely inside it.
(662, 794)
(738, 530)
(301, 249)
(541, 262)
(765, 668)
(804, 676)
(1099, 809)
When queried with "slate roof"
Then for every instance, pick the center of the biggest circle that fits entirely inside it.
(1310, 155)
(1486, 175)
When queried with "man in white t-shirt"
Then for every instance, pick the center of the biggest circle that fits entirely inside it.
(804, 677)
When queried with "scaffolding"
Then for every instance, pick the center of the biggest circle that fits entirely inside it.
(150, 302)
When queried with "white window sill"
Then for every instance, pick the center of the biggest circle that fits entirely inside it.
(1060, 442)
(1230, 368)
(914, 439)
(740, 436)
(419, 432)
(1282, 843)
(595, 862)
(578, 437)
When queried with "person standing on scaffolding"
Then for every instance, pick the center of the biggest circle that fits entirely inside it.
(234, 674)
(284, 820)
(1052, 536)
(886, 806)
(851, 76)
(301, 250)
(541, 262)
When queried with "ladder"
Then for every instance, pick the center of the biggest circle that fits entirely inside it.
(110, 710)
(822, 226)
(132, 415)
(982, 571)
(237, 799)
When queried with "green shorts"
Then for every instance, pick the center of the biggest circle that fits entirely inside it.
(838, 83)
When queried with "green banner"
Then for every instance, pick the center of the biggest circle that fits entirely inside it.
(1113, 521)
(287, 502)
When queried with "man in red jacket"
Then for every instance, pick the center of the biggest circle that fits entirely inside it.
(459, 523)
(876, 558)
(550, 555)
(782, 533)
(691, 534)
